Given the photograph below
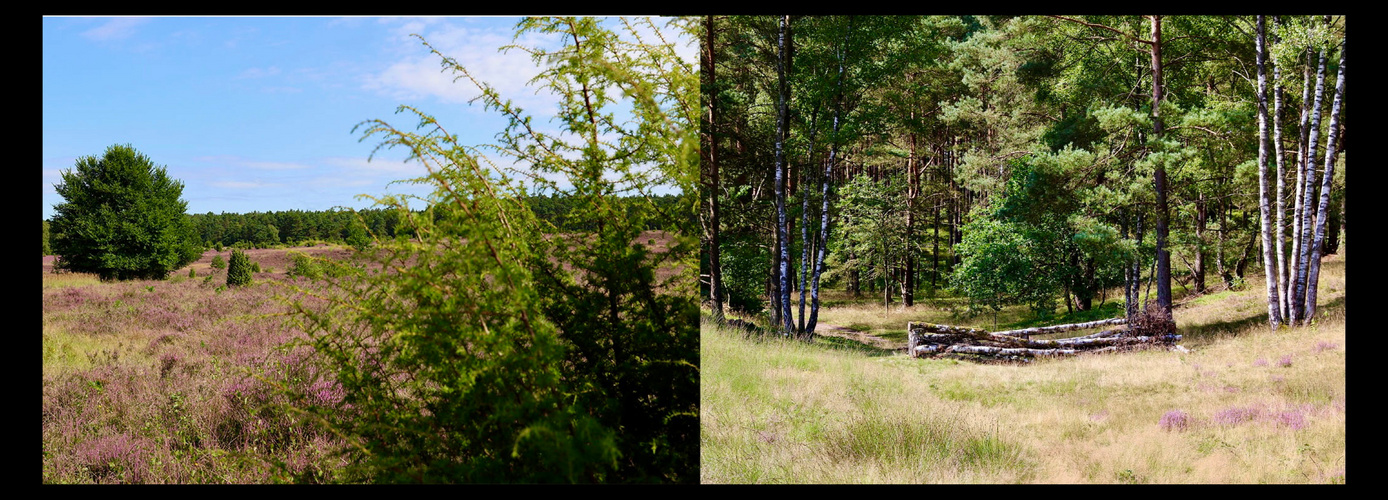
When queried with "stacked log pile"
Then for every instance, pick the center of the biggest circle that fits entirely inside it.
(929, 338)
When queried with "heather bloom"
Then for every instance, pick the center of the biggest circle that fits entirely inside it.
(1285, 361)
(1294, 419)
(120, 458)
(1325, 346)
(1260, 362)
(1176, 420)
(1236, 415)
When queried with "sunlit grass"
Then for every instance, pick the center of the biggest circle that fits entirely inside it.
(1261, 406)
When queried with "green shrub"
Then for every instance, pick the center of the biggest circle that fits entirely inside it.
(218, 263)
(255, 267)
(304, 266)
(192, 273)
(239, 271)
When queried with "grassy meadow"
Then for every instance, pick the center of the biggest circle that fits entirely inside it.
(1244, 405)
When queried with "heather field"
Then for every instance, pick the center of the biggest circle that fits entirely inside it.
(1244, 405)
(171, 381)
(183, 380)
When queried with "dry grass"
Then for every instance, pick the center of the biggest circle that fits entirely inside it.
(1258, 406)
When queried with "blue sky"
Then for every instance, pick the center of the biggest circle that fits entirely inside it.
(256, 114)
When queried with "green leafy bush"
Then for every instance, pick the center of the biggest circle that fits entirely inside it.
(239, 270)
(218, 263)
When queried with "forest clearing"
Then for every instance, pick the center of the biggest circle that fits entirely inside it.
(900, 213)
(1245, 405)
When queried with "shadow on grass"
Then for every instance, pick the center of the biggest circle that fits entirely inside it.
(1212, 331)
(841, 343)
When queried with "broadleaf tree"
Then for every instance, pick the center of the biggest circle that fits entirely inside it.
(122, 218)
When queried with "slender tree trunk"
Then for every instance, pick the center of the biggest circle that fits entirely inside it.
(1200, 217)
(782, 132)
(1282, 267)
(1307, 217)
(935, 251)
(824, 194)
(1265, 221)
(908, 284)
(1297, 211)
(1313, 275)
(714, 183)
(804, 221)
(1159, 177)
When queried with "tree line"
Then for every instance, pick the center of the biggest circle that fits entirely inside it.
(356, 227)
(1036, 160)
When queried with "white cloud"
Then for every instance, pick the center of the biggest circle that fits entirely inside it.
(115, 29)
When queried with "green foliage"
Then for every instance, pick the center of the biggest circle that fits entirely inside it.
(46, 250)
(239, 269)
(491, 349)
(218, 263)
(304, 265)
(122, 218)
(192, 273)
(746, 265)
(1035, 242)
(255, 267)
(356, 236)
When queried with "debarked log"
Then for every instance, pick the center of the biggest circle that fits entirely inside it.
(1073, 348)
(1042, 330)
(953, 334)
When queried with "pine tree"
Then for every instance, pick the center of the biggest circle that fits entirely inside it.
(239, 269)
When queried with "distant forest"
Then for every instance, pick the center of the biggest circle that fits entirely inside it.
(293, 227)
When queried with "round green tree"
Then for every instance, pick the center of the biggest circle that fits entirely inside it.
(122, 218)
(239, 269)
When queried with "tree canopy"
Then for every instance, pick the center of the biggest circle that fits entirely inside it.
(122, 217)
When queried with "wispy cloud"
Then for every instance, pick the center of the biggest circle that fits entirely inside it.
(259, 72)
(116, 29)
(419, 73)
(244, 184)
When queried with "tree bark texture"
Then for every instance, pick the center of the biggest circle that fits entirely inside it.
(1265, 221)
(1322, 213)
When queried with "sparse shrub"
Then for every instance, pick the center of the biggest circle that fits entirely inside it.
(1174, 420)
(1236, 415)
(239, 271)
(192, 273)
(218, 263)
(305, 266)
(218, 246)
(1293, 420)
(255, 267)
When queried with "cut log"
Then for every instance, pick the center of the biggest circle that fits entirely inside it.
(1042, 330)
(1112, 344)
(926, 338)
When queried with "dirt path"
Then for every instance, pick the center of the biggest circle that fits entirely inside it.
(861, 337)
